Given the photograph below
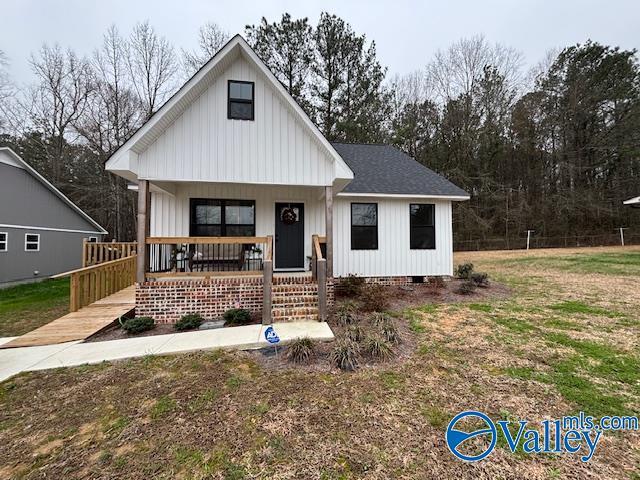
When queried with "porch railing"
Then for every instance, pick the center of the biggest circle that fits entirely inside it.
(319, 272)
(94, 253)
(90, 284)
(204, 256)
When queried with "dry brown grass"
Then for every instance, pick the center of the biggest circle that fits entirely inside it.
(232, 415)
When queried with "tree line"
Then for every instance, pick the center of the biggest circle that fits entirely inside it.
(555, 148)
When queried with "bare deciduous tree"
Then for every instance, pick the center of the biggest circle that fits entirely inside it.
(211, 38)
(152, 65)
(58, 100)
(456, 71)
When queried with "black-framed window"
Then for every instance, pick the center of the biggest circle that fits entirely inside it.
(422, 230)
(222, 218)
(241, 100)
(364, 226)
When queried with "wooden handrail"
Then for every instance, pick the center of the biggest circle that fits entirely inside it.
(205, 240)
(90, 268)
(90, 284)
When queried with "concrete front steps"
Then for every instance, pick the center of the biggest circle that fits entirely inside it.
(295, 302)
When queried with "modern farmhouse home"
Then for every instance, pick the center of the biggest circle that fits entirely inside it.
(41, 230)
(243, 202)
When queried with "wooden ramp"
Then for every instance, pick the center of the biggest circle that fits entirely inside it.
(81, 324)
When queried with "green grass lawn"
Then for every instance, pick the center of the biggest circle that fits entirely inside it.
(25, 307)
(627, 263)
(560, 341)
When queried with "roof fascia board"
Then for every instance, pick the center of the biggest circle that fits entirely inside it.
(454, 198)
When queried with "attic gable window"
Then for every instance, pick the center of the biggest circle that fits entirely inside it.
(241, 100)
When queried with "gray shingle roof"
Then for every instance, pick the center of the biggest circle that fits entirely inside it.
(387, 170)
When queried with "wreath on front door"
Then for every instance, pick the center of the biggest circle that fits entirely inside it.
(289, 216)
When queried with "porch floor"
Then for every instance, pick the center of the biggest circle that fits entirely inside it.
(81, 324)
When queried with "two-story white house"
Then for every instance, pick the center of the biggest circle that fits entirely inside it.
(243, 202)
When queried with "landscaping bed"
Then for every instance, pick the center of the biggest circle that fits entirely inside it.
(116, 332)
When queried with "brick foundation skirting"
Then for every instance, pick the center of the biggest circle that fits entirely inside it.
(387, 281)
(167, 301)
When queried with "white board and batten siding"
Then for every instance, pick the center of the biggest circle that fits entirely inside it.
(203, 145)
(170, 217)
(394, 256)
(170, 213)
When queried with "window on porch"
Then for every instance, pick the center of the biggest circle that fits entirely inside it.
(222, 218)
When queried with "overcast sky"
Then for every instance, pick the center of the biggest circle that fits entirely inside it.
(407, 33)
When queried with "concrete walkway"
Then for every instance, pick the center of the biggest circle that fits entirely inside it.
(16, 360)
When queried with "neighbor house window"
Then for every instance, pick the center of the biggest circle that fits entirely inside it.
(93, 240)
(4, 241)
(222, 218)
(364, 226)
(422, 226)
(32, 242)
(241, 99)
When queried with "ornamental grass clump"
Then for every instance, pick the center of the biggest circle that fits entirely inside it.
(378, 349)
(301, 350)
(345, 355)
(354, 333)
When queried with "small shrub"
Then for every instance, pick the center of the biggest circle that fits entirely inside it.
(189, 321)
(467, 287)
(373, 299)
(378, 348)
(350, 286)
(355, 333)
(345, 355)
(301, 350)
(138, 324)
(481, 279)
(464, 270)
(236, 316)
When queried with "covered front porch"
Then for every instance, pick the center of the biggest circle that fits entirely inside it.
(206, 247)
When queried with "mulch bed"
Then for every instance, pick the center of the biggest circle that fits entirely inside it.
(399, 298)
(115, 332)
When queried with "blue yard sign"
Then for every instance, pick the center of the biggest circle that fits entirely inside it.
(271, 336)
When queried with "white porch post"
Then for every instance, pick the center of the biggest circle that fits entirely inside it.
(143, 229)
(328, 216)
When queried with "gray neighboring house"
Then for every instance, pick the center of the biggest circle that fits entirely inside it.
(41, 230)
